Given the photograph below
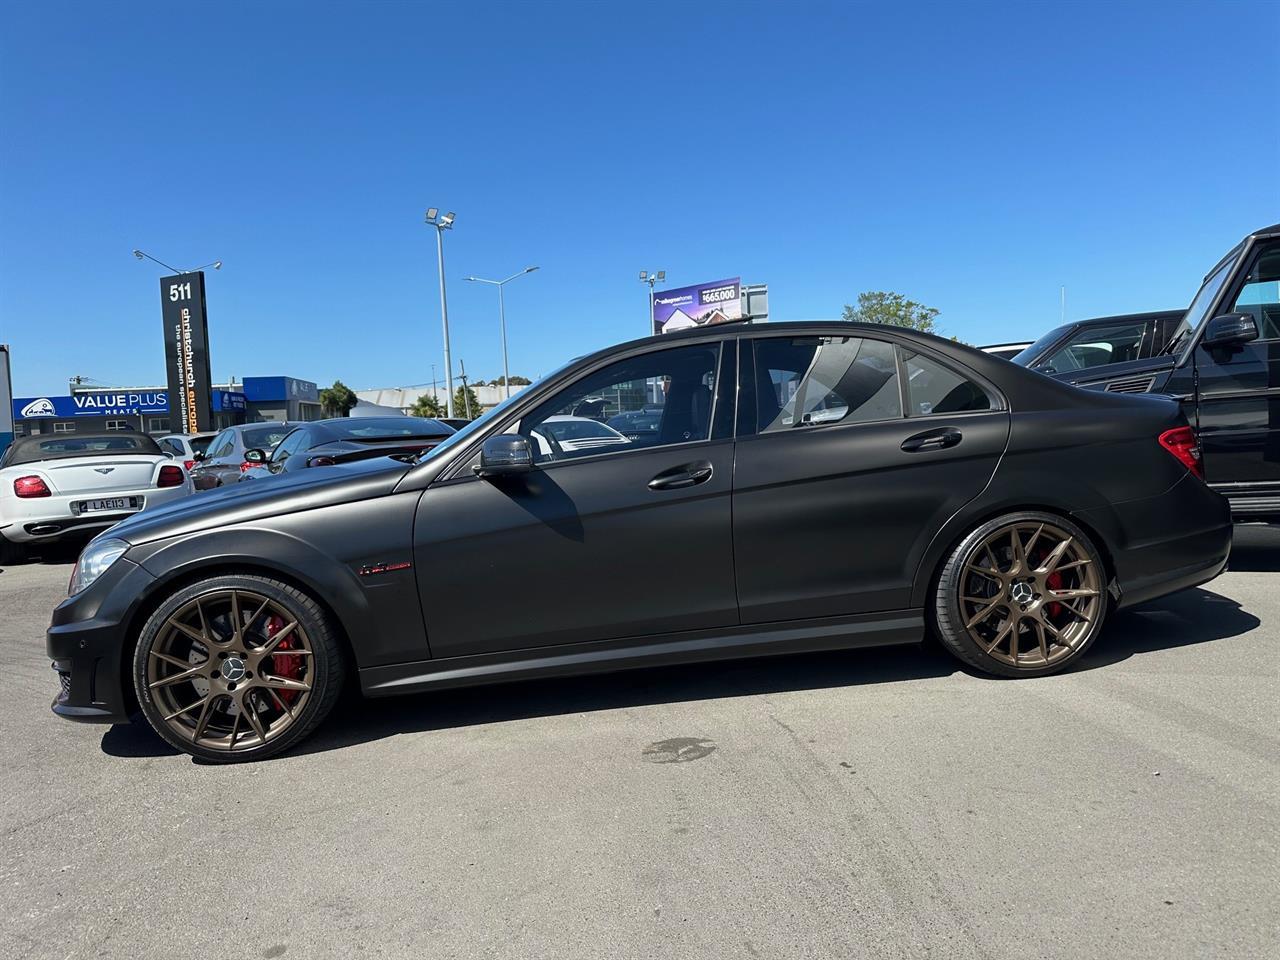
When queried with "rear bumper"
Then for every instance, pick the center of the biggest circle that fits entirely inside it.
(1162, 544)
(86, 643)
(45, 519)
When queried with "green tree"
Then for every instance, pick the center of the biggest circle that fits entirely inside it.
(519, 381)
(877, 306)
(464, 399)
(338, 399)
(427, 405)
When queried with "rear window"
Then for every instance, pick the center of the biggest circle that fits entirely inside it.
(35, 449)
(201, 444)
(265, 438)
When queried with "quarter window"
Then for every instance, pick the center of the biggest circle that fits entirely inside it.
(220, 446)
(652, 400)
(933, 388)
(289, 446)
(813, 381)
(1094, 346)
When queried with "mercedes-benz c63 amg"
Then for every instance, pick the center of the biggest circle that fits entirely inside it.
(807, 486)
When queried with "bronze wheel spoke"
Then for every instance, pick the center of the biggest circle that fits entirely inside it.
(1072, 565)
(1012, 624)
(1071, 594)
(1019, 554)
(281, 634)
(1054, 558)
(983, 613)
(284, 707)
(203, 721)
(282, 683)
(235, 730)
(188, 708)
(195, 671)
(251, 714)
(1040, 637)
(237, 628)
(172, 661)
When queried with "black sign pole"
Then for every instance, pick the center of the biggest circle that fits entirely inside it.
(186, 352)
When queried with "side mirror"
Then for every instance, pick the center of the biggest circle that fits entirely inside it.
(197, 457)
(1230, 329)
(503, 455)
(255, 456)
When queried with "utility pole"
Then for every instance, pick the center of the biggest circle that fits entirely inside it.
(466, 394)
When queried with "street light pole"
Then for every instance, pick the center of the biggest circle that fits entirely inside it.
(142, 255)
(658, 276)
(502, 319)
(443, 223)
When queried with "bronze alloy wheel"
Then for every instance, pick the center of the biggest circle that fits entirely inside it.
(228, 671)
(1022, 595)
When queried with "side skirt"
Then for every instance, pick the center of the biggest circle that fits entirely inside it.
(728, 643)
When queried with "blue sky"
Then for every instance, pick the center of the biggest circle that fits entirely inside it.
(973, 157)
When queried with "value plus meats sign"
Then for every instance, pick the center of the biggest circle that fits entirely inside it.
(186, 352)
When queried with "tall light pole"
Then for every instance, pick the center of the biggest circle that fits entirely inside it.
(443, 223)
(502, 318)
(658, 276)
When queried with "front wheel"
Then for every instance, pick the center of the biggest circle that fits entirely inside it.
(1022, 595)
(237, 668)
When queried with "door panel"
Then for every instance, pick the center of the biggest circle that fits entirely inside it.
(835, 520)
(581, 550)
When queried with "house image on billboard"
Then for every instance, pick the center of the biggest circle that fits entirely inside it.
(679, 321)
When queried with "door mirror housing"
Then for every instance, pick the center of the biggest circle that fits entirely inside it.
(1230, 329)
(505, 454)
(197, 457)
(255, 456)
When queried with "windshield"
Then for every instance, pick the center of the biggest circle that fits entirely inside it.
(465, 433)
(1027, 356)
(1208, 293)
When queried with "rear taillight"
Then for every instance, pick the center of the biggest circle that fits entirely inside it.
(31, 487)
(1181, 442)
(189, 464)
(171, 476)
(246, 465)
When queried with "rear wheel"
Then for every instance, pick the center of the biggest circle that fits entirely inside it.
(1021, 596)
(237, 668)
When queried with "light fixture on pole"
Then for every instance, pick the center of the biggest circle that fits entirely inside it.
(658, 276)
(443, 223)
(216, 264)
(502, 319)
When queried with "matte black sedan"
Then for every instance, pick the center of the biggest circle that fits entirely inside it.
(326, 443)
(809, 486)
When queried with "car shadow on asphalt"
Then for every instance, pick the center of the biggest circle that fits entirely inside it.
(1188, 618)
(1255, 548)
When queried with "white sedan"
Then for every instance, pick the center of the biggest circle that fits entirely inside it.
(566, 434)
(54, 485)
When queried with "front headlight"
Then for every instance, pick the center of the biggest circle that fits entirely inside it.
(93, 563)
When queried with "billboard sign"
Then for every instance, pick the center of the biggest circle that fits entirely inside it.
(186, 351)
(697, 306)
(98, 403)
(6, 400)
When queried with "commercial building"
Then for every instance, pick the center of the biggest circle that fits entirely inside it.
(146, 409)
(403, 398)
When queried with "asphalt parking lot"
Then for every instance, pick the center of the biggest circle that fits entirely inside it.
(864, 804)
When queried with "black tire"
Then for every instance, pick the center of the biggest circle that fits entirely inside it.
(948, 622)
(11, 553)
(327, 664)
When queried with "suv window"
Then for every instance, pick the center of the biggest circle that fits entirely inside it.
(1260, 295)
(172, 446)
(1094, 346)
(933, 388)
(677, 385)
(812, 381)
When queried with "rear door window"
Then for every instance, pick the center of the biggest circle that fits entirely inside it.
(934, 388)
(804, 382)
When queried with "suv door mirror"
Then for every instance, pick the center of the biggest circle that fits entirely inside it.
(504, 454)
(197, 457)
(256, 456)
(1230, 329)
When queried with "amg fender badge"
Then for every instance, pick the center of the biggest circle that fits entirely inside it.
(371, 568)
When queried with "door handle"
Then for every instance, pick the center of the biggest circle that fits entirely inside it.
(685, 475)
(933, 440)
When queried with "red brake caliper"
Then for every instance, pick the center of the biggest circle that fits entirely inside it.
(1054, 582)
(283, 665)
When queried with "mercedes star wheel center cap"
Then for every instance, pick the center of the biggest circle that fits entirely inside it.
(1020, 592)
(232, 669)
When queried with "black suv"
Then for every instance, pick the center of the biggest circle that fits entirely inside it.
(1223, 363)
(1075, 347)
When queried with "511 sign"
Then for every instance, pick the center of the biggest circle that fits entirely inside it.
(186, 352)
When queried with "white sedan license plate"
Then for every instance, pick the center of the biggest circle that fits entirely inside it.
(108, 505)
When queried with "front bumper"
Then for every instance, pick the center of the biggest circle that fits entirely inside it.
(1162, 544)
(87, 640)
